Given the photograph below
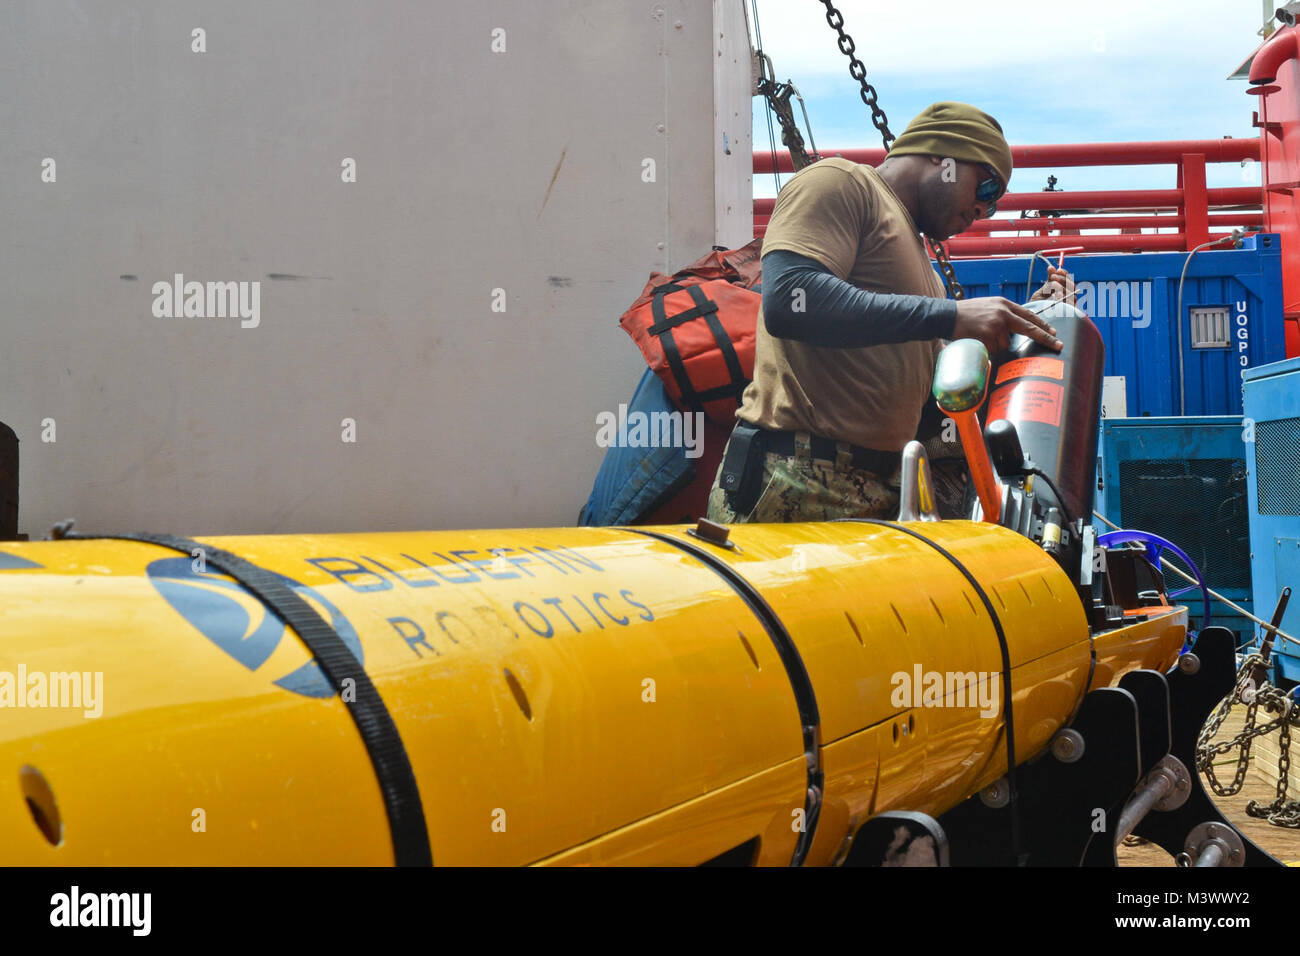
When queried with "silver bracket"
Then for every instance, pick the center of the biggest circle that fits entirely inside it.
(916, 494)
(1089, 557)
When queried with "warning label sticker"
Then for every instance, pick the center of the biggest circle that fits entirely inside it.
(1028, 402)
(1041, 365)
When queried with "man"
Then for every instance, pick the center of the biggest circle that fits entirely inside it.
(853, 316)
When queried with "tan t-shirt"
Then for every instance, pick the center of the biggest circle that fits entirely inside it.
(843, 215)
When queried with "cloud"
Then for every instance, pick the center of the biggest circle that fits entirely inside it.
(1027, 42)
(1108, 71)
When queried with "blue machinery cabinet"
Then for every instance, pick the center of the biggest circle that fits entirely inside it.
(1232, 319)
(1185, 479)
(1272, 413)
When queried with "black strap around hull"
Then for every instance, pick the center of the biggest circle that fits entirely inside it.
(797, 674)
(383, 743)
(1008, 713)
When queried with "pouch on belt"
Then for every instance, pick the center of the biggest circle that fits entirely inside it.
(742, 467)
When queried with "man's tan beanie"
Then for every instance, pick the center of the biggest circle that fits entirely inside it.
(960, 131)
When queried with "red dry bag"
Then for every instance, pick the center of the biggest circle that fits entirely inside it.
(696, 329)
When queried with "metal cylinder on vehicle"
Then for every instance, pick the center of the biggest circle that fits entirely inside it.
(1054, 400)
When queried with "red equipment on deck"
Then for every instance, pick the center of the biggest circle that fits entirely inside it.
(1275, 79)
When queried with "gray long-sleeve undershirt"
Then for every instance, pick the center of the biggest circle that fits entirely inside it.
(838, 314)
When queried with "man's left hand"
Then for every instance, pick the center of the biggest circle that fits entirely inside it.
(1059, 284)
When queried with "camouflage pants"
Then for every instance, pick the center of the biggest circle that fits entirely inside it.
(803, 488)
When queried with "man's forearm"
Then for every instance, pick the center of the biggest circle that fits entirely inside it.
(835, 313)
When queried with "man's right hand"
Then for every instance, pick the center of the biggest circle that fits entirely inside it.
(993, 320)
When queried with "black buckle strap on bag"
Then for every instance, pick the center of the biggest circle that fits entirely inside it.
(742, 468)
(882, 463)
(383, 743)
(663, 327)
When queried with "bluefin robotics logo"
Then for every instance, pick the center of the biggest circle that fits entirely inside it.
(238, 623)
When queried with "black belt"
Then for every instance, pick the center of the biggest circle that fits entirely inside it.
(868, 459)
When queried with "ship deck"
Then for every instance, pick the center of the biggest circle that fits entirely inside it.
(1260, 784)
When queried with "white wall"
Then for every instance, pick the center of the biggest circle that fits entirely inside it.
(476, 170)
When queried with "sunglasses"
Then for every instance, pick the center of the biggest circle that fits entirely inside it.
(989, 191)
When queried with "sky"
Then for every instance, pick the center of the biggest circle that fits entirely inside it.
(1097, 71)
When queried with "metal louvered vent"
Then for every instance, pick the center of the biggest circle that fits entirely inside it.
(1197, 503)
(1210, 328)
(1277, 466)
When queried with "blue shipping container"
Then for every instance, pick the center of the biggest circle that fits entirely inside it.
(1273, 454)
(1232, 319)
(1185, 480)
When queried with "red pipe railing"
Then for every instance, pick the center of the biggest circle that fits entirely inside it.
(1040, 156)
(1191, 205)
(959, 246)
(1063, 224)
(1247, 220)
(1120, 200)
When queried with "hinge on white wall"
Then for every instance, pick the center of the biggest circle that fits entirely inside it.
(755, 68)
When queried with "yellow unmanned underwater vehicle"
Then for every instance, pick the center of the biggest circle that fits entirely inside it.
(984, 691)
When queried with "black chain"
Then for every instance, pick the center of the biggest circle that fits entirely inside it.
(858, 71)
(1281, 812)
(945, 266)
(778, 101)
